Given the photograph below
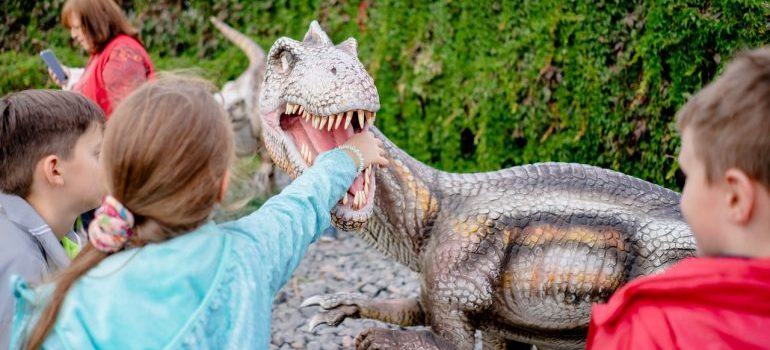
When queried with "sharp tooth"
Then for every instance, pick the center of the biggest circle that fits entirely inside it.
(301, 110)
(331, 121)
(361, 119)
(366, 188)
(288, 108)
(345, 199)
(355, 200)
(322, 124)
(348, 118)
(296, 109)
(369, 117)
(339, 120)
(316, 121)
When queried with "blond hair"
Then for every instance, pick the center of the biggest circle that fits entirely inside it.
(166, 151)
(730, 118)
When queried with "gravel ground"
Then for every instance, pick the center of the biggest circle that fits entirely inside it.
(346, 264)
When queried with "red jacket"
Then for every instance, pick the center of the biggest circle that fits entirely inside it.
(700, 303)
(115, 72)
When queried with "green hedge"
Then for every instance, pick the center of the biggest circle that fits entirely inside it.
(467, 86)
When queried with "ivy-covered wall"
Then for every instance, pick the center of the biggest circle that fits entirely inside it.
(465, 85)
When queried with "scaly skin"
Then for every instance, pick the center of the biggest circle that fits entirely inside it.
(519, 253)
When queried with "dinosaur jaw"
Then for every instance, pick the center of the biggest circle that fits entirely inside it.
(308, 135)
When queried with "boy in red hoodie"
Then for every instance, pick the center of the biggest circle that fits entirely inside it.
(721, 299)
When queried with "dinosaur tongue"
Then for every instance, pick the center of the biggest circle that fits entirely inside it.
(318, 141)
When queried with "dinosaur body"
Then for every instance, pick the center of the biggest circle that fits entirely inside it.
(519, 254)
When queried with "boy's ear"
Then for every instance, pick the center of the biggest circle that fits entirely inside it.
(741, 196)
(51, 170)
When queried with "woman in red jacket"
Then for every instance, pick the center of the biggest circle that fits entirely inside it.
(118, 62)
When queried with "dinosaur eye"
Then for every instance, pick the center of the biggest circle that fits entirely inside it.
(334, 70)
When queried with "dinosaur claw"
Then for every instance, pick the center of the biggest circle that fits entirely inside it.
(312, 301)
(314, 322)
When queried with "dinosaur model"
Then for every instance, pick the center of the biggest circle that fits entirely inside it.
(519, 254)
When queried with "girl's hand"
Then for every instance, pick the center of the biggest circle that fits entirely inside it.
(370, 147)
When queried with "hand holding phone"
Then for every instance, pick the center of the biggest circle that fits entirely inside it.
(54, 66)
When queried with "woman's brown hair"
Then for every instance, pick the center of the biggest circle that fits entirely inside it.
(166, 151)
(102, 21)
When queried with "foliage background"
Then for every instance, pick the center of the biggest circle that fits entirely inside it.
(464, 86)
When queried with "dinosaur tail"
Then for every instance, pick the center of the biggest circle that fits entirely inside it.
(253, 51)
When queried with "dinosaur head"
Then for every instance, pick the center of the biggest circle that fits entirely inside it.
(315, 96)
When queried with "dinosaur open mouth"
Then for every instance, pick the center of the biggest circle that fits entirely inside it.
(314, 134)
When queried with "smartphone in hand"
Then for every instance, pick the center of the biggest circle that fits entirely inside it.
(54, 65)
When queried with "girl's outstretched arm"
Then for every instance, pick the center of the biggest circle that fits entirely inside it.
(287, 223)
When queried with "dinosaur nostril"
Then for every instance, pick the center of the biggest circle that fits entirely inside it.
(334, 70)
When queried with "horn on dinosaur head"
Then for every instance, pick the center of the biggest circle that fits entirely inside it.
(283, 54)
(316, 36)
(349, 46)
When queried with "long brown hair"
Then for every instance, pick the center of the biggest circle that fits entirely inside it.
(166, 151)
(102, 21)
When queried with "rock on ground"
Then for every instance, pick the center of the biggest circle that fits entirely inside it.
(343, 265)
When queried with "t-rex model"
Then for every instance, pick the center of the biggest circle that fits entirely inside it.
(519, 254)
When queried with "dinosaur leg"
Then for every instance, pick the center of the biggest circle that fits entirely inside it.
(494, 342)
(450, 329)
(335, 308)
(382, 339)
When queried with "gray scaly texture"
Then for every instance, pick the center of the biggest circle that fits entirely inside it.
(519, 254)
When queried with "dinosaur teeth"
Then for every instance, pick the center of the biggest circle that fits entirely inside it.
(361, 119)
(322, 123)
(331, 121)
(289, 108)
(360, 199)
(370, 117)
(316, 121)
(306, 153)
(339, 120)
(348, 118)
(295, 109)
(301, 110)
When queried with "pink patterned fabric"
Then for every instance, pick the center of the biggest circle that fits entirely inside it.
(111, 75)
(111, 227)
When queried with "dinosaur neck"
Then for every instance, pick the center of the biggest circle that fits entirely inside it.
(406, 203)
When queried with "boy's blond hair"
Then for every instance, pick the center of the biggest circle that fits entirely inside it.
(730, 118)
